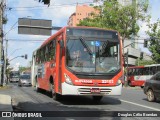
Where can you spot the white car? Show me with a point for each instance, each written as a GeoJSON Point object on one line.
{"type": "Point", "coordinates": [24, 80]}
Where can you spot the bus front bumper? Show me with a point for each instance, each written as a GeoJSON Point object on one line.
{"type": "Point", "coordinates": [68, 89]}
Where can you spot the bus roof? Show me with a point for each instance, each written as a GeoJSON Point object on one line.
{"type": "Point", "coordinates": [52, 36]}
{"type": "Point", "coordinates": [59, 31]}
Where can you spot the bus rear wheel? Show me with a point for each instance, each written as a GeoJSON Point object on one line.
{"type": "Point", "coordinates": [97, 98]}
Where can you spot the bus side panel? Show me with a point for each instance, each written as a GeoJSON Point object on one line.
{"type": "Point", "coordinates": [33, 70]}
{"type": "Point", "coordinates": [46, 76]}
{"type": "Point", "coordinates": [40, 76]}
{"type": "Point", "coordinates": [52, 70]}
{"type": "Point", "coordinates": [50, 73]}
{"type": "Point", "coordinates": [58, 68]}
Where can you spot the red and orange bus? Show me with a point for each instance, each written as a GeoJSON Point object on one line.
{"type": "Point", "coordinates": [79, 61]}
{"type": "Point", "coordinates": [137, 75]}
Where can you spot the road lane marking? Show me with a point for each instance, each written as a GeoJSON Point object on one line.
{"type": "Point", "coordinates": [140, 105]}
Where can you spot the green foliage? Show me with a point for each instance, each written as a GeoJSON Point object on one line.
{"type": "Point", "coordinates": [154, 33]}
{"type": "Point", "coordinates": [121, 18]}
{"type": "Point", "coordinates": [21, 69]}
{"type": "Point", "coordinates": [8, 69]}
{"type": "Point", "coordinates": [144, 62]}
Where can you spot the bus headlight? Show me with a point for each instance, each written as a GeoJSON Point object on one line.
{"type": "Point", "coordinates": [68, 79]}
{"type": "Point", "coordinates": [118, 82]}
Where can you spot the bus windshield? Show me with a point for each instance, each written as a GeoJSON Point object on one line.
{"type": "Point", "coordinates": [14, 74]}
{"type": "Point", "coordinates": [92, 55]}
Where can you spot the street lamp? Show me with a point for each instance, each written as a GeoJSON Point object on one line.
{"type": "Point", "coordinates": [14, 51]}
{"type": "Point", "coordinates": [23, 56]}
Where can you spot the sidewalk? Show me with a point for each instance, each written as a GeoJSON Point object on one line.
{"type": "Point", "coordinates": [5, 105]}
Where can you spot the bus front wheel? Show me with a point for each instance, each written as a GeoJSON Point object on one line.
{"type": "Point", "coordinates": [97, 98]}
{"type": "Point", "coordinates": [51, 92]}
{"type": "Point", "coordinates": [57, 96]}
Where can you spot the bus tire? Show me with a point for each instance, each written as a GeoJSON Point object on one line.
{"type": "Point", "coordinates": [97, 98]}
{"type": "Point", "coordinates": [57, 96]}
{"type": "Point", "coordinates": [51, 92]}
{"type": "Point", "coordinates": [150, 95]}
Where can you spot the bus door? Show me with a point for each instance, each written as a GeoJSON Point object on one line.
{"type": "Point", "coordinates": [60, 45]}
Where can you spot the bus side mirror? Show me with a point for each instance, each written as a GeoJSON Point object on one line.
{"type": "Point", "coordinates": [61, 43]}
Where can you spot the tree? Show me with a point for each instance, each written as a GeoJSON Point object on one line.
{"type": "Point", "coordinates": [22, 69]}
{"type": "Point", "coordinates": [154, 33]}
{"type": "Point", "coordinates": [46, 2]}
{"type": "Point", "coordinates": [144, 62]}
{"type": "Point", "coordinates": [8, 69]}
{"type": "Point", "coordinates": [124, 19]}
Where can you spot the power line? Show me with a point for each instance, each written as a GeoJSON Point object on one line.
{"type": "Point", "coordinates": [11, 28]}
{"type": "Point", "coordinates": [44, 7]}
{"type": "Point", "coordinates": [55, 5]}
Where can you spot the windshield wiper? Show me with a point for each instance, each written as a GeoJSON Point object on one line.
{"type": "Point", "coordinates": [85, 45]}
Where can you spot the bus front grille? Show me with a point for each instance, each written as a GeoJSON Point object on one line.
{"type": "Point", "coordinates": [88, 91]}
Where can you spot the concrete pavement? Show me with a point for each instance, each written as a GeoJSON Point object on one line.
{"type": "Point", "coordinates": [5, 105]}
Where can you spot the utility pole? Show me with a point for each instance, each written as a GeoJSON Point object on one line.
{"type": "Point", "coordinates": [2, 5]}
{"type": "Point", "coordinates": [5, 65]}
{"type": "Point", "coordinates": [1, 40]}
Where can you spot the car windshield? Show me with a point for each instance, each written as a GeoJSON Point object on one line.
{"type": "Point", "coordinates": [92, 55]}
{"type": "Point", "coordinates": [25, 77]}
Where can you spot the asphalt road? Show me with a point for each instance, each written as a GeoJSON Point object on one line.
{"type": "Point", "coordinates": [132, 99]}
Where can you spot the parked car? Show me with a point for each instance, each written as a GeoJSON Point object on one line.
{"type": "Point", "coordinates": [24, 80]}
{"type": "Point", "coordinates": [152, 87]}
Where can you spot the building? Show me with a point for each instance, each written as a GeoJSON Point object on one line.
{"type": "Point", "coordinates": [134, 52]}
{"type": "Point", "coordinates": [82, 12]}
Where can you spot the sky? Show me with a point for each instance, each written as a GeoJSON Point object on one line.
{"type": "Point", "coordinates": [58, 11]}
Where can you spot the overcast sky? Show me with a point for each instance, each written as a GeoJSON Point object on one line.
{"type": "Point", "coordinates": [58, 11]}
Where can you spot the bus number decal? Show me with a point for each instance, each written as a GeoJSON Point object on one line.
{"type": "Point", "coordinates": [104, 81]}
{"type": "Point", "coordinates": [107, 81]}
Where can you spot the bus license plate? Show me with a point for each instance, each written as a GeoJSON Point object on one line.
{"type": "Point", "coordinates": [95, 90]}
